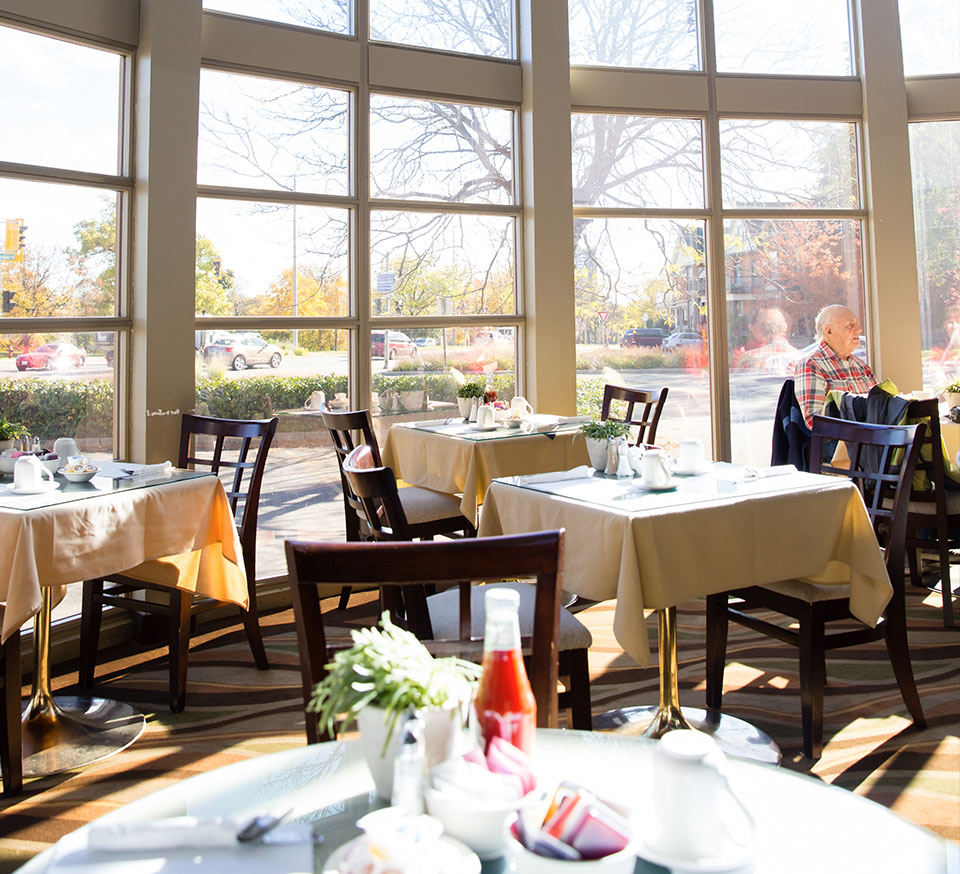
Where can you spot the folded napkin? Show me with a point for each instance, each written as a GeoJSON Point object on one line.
{"type": "Point", "coordinates": [437, 423]}
{"type": "Point", "coordinates": [171, 833]}
{"type": "Point", "coordinates": [738, 472]}
{"type": "Point", "coordinates": [572, 420]}
{"type": "Point", "coordinates": [579, 472]}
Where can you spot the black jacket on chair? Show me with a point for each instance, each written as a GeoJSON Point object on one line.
{"type": "Point", "coordinates": [791, 436]}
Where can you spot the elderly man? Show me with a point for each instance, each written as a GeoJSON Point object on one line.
{"type": "Point", "coordinates": [832, 365]}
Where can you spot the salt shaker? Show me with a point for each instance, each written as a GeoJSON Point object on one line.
{"type": "Point", "coordinates": [408, 767]}
{"type": "Point", "coordinates": [613, 457]}
{"type": "Point", "coordinates": [624, 468]}
{"type": "Point", "coordinates": [474, 405]}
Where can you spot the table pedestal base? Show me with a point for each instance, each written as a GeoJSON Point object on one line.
{"type": "Point", "coordinates": [735, 737]}
{"type": "Point", "coordinates": [70, 732]}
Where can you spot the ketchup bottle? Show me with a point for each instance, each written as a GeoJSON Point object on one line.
{"type": "Point", "coordinates": [505, 704]}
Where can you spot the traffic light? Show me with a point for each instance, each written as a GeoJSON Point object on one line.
{"type": "Point", "coordinates": [216, 268]}
{"type": "Point", "coordinates": [10, 239]}
{"type": "Point", "coordinates": [7, 301]}
{"type": "Point", "coordinates": [21, 244]}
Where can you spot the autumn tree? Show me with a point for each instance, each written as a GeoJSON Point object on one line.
{"type": "Point", "coordinates": [93, 262]}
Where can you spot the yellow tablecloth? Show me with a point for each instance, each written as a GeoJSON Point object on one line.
{"type": "Point", "coordinates": [653, 550]}
{"type": "Point", "coordinates": [451, 464]}
{"type": "Point", "coordinates": [187, 523]}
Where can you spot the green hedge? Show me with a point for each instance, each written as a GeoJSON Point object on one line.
{"type": "Point", "coordinates": [70, 408]}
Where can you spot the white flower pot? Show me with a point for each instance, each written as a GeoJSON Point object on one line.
{"type": "Point", "coordinates": [441, 728]}
{"type": "Point", "coordinates": [464, 405]}
{"type": "Point", "coordinates": [597, 450]}
{"type": "Point", "coordinates": [953, 399]}
{"type": "Point", "coordinates": [412, 400]}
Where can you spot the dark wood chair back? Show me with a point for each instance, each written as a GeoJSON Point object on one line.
{"type": "Point", "coordinates": [400, 565]}
{"type": "Point", "coordinates": [650, 402]}
{"type": "Point", "coordinates": [883, 478]}
{"type": "Point", "coordinates": [374, 488]}
{"type": "Point", "coordinates": [233, 440]}
{"type": "Point", "coordinates": [349, 430]}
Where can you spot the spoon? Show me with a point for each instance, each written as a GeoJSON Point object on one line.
{"type": "Point", "coordinates": [260, 825]}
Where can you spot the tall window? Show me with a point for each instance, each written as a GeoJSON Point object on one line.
{"type": "Point", "coordinates": [930, 34]}
{"type": "Point", "coordinates": [935, 160]}
{"type": "Point", "coordinates": [474, 27]}
{"type": "Point", "coordinates": [334, 16]}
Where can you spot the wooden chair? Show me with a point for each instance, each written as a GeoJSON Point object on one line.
{"type": "Point", "coordinates": [933, 515]}
{"type": "Point", "coordinates": [645, 422]}
{"type": "Point", "coordinates": [401, 565]}
{"type": "Point", "coordinates": [11, 748]}
{"type": "Point", "coordinates": [886, 492]}
{"type": "Point", "coordinates": [233, 441]}
{"type": "Point", "coordinates": [446, 614]}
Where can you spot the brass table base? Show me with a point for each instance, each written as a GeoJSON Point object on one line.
{"type": "Point", "coordinates": [734, 736]}
{"type": "Point", "coordinates": [69, 732]}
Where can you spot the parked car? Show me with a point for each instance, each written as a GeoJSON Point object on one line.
{"type": "Point", "coordinates": [240, 351]}
{"type": "Point", "coordinates": [51, 355]}
{"type": "Point", "coordinates": [683, 338]}
{"type": "Point", "coordinates": [400, 345]}
{"type": "Point", "coordinates": [642, 337]}
{"type": "Point", "coordinates": [425, 341]}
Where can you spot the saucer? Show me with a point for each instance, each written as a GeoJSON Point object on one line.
{"type": "Point", "coordinates": [477, 427]}
{"type": "Point", "coordinates": [732, 858]}
{"type": "Point", "coordinates": [42, 489]}
{"type": "Point", "coordinates": [667, 487]}
{"type": "Point", "coordinates": [692, 471]}
{"type": "Point", "coordinates": [460, 859]}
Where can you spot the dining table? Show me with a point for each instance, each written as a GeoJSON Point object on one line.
{"type": "Point", "coordinates": [128, 517]}
{"type": "Point", "coordinates": [802, 824]}
{"type": "Point", "coordinates": [721, 528]}
{"type": "Point", "coordinates": [461, 458]}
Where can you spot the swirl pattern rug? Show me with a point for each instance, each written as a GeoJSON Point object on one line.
{"type": "Point", "coordinates": [235, 712]}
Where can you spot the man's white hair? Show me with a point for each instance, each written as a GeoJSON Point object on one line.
{"type": "Point", "coordinates": [827, 316]}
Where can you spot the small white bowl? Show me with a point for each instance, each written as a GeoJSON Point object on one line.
{"type": "Point", "coordinates": [482, 827]}
{"type": "Point", "coordinates": [51, 464]}
{"type": "Point", "coordinates": [83, 477]}
{"type": "Point", "coordinates": [7, 464]}
{"type": "Point", "coordinates": [523, 861]}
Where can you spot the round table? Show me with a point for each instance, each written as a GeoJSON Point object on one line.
{"type": "Point", "coordinates": [803, 825]}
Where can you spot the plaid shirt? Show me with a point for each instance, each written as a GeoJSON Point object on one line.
{"type": "Point", "coordinates": [825, 371]}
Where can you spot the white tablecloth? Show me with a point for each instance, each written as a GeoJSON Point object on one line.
{"type": "Point", "coordinates": [655, 549]}
{"type": "Point", "coordinates": [187, 523]}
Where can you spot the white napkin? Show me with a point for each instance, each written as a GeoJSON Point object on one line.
{"type": "Point", "coordinates": [579, 472]}
{"type": "Point", "coordinates": [572, 420]}
{"type": "Point", "coordinates": [739, 472]}
{"type": "Point", "coordinates": [171, 833]}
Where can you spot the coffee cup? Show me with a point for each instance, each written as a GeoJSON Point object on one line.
{"type": "Point", "coordinates": [691, 454]}
{"type": "Point", "coordinates": [486, 418]}
{"type": "Point", "coordinates": [28, 473]}
{"type": "Point", "coordinates": [655, 465]}
{"type": "Point", "coordinates": [698, 815]}
{"type": "Point", "coordinates": [522, 405]}
{"type": "Point", "coordinates": [65, 447]}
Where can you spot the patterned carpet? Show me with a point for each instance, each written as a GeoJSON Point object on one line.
{"type": "Point", "coordinates": [235, 712]}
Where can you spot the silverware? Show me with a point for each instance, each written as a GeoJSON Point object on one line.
{"type": "Point", "coordinates": [260, 825]}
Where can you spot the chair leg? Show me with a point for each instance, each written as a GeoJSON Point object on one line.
{"type": "Point", "coordinates": [180, 603]}
{"type": "Point", "coordinates": [915, 566]}
{"type": "Point", "coordinates": [813, 677]}
{"type": "Point", "coordinates": [575, 664]}
{"type": "Point", "coordinates": [945, 587]}
{"type": "Point", "coordinates": [344, 598]}
{"type": "Point", "coordinates": [11, 748]}
{"type": "Point", "coordinates": [896, 641]}
{"type": "Point", "coordinates": [718, 622]}
{"type": "Point", "coordinates": [90, 616]}
{"type": "Point", "coordinates": [251, 624]}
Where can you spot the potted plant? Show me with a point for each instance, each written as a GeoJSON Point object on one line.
{"type": "Point", "coordinates": [598, 434]}
{"type": "Point", "coordinates": [465, 395]}
{"type": "Point", "coordinates": [386, 673]}
{"type": "Point", "coordinates": [951, 392]}
{"type": "Point", "coordinates": [9, 431]}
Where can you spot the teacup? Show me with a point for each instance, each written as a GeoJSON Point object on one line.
{"type": "Point", "coordinates": [486, 418]}
{"type": "Point", "coordinates": [695, 803]}
{"type": "Point", "coordinates": [522, 404]}
{"type": "Point", "coordinates": [28, 473]}
{"type": "Point", "coordinates": [655, 465]}
{"type": "Point", "coordinates": [691, 454]}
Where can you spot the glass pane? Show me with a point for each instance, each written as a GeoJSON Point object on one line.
{"type": "Point", "coordinates": [930, 33]}
{"type": "Point", "coordinates": [473, 27]}
{"type": "Point", "coordinates": [335, 16]}
{"type": "Point", "coordinates": [935, 160]}
{"type": "Point", "coordinates": [423, 150]}
{"type": "Point", "coordinates": [441, 264]}
{"type": "Point", "coordinates": [641, 302]}
{"type": "Point", "coordinates": [266, 259]}
{"type": "Point", "coordinates": [417, 371]}
{"type": "Point", "coordinates": [57, 250]}
{"type": "Point", "coordinates": [808, 164]}
{"type": "Point", "coordinates": [660, 34]}
{"type": "Point", "coordinates": [779, 275]}
{"type": "Point", "coordinates": [807, 39]}
{"type": "Point", "coordinates": [60, 103]}
{"type": "Point", "coordinates": [266, 133]}
{"type": "Point", "coordinates": [633, 161]}
{"type": "Point", "coordinates": [301, 485]}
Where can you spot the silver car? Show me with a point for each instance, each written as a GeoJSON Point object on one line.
{"type": "Point", "coordinates": [241, 351]}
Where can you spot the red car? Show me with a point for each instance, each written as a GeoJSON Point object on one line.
{"type": "Point", "coordinates": [400, 345]}
{"type": "Point", "coordinates": [51, 355]}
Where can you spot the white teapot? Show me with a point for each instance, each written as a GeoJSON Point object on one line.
{"type": "Point", "coordinates": [522, 405]}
